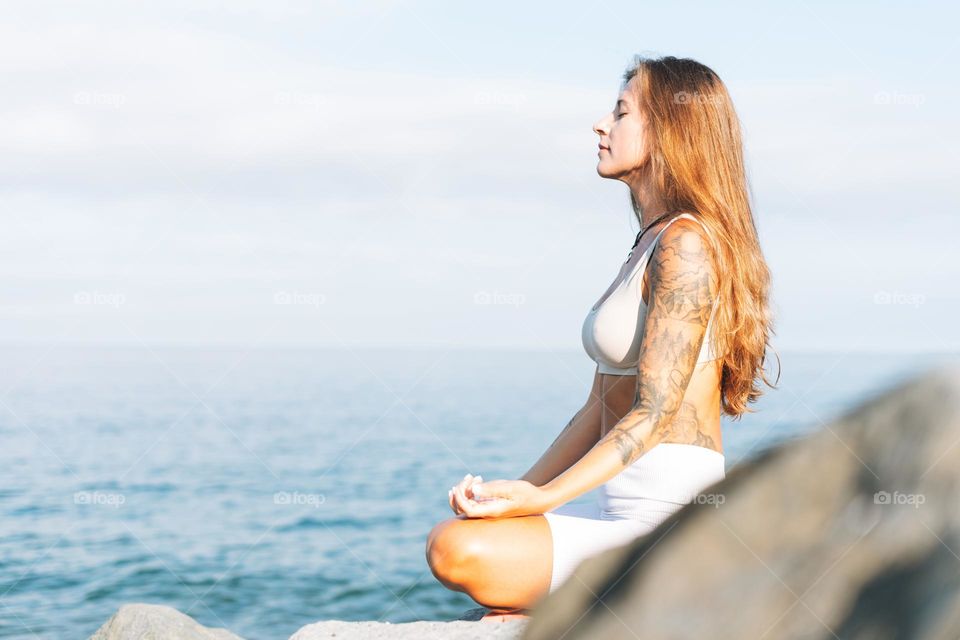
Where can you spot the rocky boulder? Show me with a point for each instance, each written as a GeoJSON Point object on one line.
{"type": "Point", "coordinates": [852, 532]}
{"type": "Point", "coordinates": [156, 622]}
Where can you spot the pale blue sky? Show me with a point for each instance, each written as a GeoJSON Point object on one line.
{"type": "Point", "coordinates": [412, 173]}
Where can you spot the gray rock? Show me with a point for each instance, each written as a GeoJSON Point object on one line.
{"type": "Point", "coordinates": [474, 614]}
{"type": "Point", "coordinates": [459, 630]}
{"type": "Point", "coordinates": [852, 532]}
{"type": "Point", "coordinates": [156, 622]}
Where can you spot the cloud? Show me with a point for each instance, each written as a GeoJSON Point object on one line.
{"type": "Point", "coordinates": [199, 152]}
{"type": "Point", "coordinates": [165, 109]}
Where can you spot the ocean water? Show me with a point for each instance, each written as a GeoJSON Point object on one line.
{"type": "Point", "coordinates": [262, 490]}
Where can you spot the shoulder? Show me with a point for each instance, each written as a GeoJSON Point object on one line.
{"type": "Point", "coordinates": [686, 234]}
{"type": "Point", "coordinates": [683, 261]}
{"type": "Point", "coordinates": [685, 239]}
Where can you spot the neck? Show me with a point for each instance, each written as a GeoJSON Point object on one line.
{"type": "Point", "coordinates": [652, 206]}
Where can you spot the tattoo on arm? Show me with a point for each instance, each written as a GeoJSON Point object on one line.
{"type": "Point", "coordinates": [630, 448]}
{"type": "Point", "coordinates": [682, 290]}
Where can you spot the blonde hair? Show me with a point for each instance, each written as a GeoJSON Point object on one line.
{"type": "Point", "coordinates": [696, 164]}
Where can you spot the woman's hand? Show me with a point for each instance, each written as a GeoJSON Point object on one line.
{"type": "Point", "coordinates": [500, 498]}
{"type": "Point", "coordinates": [464, 484]}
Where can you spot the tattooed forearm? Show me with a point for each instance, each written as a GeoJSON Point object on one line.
{"type": "Point", "coordinates": [629, 447]}
{"type": "Point", "coordinates": [565, 429]}
{"type": "Point", "coordinates": [682, 290]}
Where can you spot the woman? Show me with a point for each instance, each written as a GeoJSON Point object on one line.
{"type": "Point", "coordinates": [679, 337]}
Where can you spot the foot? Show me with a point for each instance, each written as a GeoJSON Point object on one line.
{"type": "Point", "coordinates": [504, 615]}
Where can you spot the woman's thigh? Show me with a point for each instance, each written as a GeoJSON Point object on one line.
{"type": "Point", "coordinates": [499, 562]}
{"type": "Point", "coordinates": [511, 562]}
{"type": "Point", "coordinates": [578, 533]}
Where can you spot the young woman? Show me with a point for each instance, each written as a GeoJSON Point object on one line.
{"type": "Point", "coordinates": [679, 337]}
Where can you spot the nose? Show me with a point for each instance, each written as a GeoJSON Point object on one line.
{"type": "Point", "coordinates": [600, 127]}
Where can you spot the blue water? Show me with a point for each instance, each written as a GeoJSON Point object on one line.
{"type": "Point", "coordinates": [263, 490]}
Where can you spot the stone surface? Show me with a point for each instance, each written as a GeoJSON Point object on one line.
{"type": "Point", "coordinates": [156, 622]}
{"type": "Point", "coordinates": [458, 630]}
{"type": "Point", "coordinates": [159, 622]}
{"type": "Point", "coordinates": [851, 532]}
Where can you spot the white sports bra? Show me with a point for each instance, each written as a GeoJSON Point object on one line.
{"type": "Point", "coordinates": [613, 330]}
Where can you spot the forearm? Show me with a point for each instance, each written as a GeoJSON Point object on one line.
{"type": "Point", "coordinates": [576, 439]}
{"type": "Point", "coordinates": [633, 436]}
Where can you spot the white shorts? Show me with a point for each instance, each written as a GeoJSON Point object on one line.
{"type": "Point", "coordinates": [578, 533]}
{"type": "Point", "coordinates": [631, 504]}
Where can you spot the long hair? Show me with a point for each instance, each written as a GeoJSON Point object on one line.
{"type": "Point", "coordinates": [696, 163]}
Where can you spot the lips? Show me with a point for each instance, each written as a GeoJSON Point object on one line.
{"type": "Point", "coordinates": [603, 147]}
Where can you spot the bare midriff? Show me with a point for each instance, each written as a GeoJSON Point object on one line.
{"type": "Point", "coordinates": [697, 422]}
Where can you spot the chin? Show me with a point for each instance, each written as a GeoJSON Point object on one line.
{"type": "Point", "coordinates": [604, 170]}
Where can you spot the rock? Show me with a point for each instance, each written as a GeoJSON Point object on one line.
{"type": "Point", "coordinates": [156, 622]}
{"type": "Point", "coordinates": [474, 614]}
{"type": "Point", "coordinates": [458, 630]}
{"type": "Point", "coordinates": [851, 532]}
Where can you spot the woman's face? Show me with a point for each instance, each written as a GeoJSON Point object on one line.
{"type": "Point", "coordinates": [621, 148]}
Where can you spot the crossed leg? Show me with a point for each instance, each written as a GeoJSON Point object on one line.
{"type": "Point", "coordinates": [504, 564]}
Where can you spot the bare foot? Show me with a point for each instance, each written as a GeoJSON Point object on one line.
{"type": "Point", "coordinates": [503, 615]}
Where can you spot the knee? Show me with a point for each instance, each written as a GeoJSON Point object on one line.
{"type": "Point", "coordinates": [452, 552]}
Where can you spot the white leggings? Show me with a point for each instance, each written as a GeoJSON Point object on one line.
{"type": "Point", "coordinates": [630, 505]}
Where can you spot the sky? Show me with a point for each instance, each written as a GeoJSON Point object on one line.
{"type": "Point", "coordinates": [400, 173]}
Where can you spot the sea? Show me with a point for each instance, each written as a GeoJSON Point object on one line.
{"type": "Point", "coordinates": [268, 488]}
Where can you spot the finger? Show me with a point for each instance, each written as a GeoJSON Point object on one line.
{"type": "Point", "coordinates": [461, 497]}
{"type": "Point", "coordinates": [450, 500]}
{"type": "Point", "coordinates": [494, 506]}
{"type": "Point", "coordinates": [460, 494]}
{"type": "Point", "coordinates": [480, 494]}
{"type": "Point", "coordinates": [468, 490]}
{"type": "Point", "coordinates": [454, 502]}
{"type": "Point", "coordinates": [493, 490]}
{"type": "Point", "coordinates": [465, 481]}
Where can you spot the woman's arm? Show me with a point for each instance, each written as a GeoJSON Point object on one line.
{"type": "Point", "coordinates": [578, 437]}
{"type": "Point", "coordinates": [683, 286]}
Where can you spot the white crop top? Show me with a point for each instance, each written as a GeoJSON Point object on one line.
{"type": "Point", "coordinates": [613, 330]}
